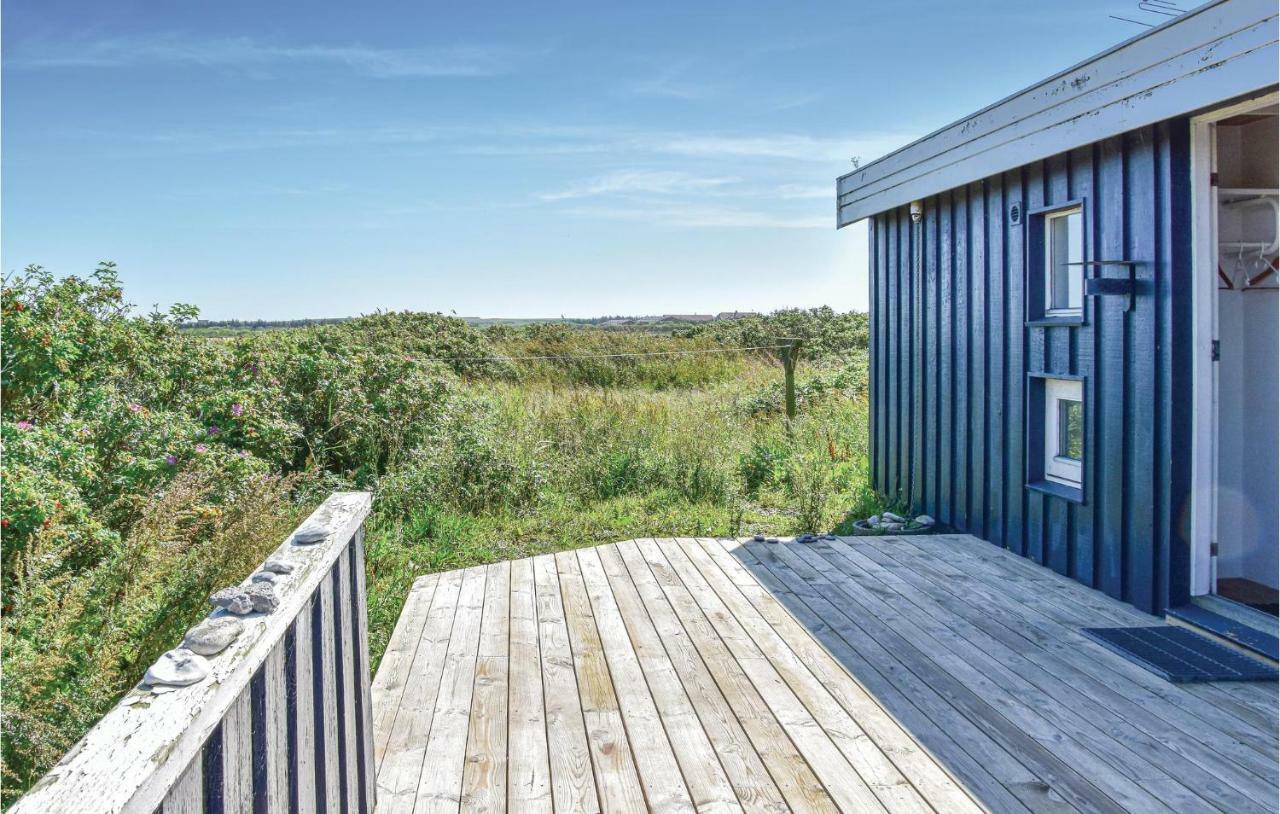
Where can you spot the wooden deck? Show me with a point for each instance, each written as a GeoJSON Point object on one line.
{"type": "Point", "coordinates": [904, 674]}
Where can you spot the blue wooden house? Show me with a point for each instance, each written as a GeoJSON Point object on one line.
{"type": "Point", "coordinates": [1074, 316]}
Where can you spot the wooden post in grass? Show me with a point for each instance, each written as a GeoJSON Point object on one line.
{"type": "Point", "coordinates": [790, 350]}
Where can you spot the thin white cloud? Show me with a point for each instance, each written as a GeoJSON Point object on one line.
{"type": "Point", "coordinates": [788, 146]}
{"type": "Point", "coordinates": [671, 83]}
{"type": "Point", "coordinates": [776, 146]}
{"type": "Point", "coordinates": [792, 192]}
{"type": "Point", "coordinates": [701, 217]}
{"type": "Point", "coordinates": [624, 182]}
{"type": "Point", "coordinates": [246, 53]}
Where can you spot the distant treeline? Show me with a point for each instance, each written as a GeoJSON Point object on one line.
{"type": "Point", "coordinates": [648, 322]}
{"type": "Point", "coordinates": [262, 324]}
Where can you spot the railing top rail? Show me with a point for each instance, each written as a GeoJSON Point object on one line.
{"type": "Point", "coordinates": [137, 752]}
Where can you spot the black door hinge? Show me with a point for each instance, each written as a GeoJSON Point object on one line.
{"type": "Point", "coordinates": [1213, 179]}
{"type": "Point", "coordinates": [1215, 351]}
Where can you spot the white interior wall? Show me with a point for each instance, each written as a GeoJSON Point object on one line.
{"type": "Point", "coordinates": [1249, 386]}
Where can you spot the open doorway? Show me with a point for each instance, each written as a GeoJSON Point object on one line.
{"type": "Point", "coordinates": [1240, 514]}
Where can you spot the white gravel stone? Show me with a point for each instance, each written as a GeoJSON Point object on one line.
{"type": "Point", "coordinates": [178, 668]}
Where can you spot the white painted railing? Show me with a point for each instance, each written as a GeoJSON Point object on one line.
{"type": "Point", "coordinates": [282, 721]}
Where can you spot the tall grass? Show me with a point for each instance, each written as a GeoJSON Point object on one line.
{"type": "Point", "coordinates": [522, 468]}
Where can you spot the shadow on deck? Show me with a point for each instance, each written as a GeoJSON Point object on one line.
{"type": "Point", "coordinates": [863, 674]}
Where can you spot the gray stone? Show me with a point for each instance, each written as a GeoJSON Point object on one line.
{"type": "Point", "coordinates": [807, 538]}
{"type": "Point", "coordinates": [873, 520]}
{"type": "Point", "coordinates": [263, 596]}
{"type": "Point", "coordinates": [275, 566]}
{"type": "Point", "coordinates": [759, 538]}
{"type": "Point", "coordinates": [234, 599]}
{"type": "Point", "coordinates": [264, 576]}
{"type": "Point", "coordinates": [257, 596]}
{"type": "Point", "coordinates": [893, 526]}
{"type": "Point", "coordinates": [924, 520]}
{"type": "Point", "coordinates": [212, 636]}
{"type": "Point", "coordinates": [890, 517]}
{"type": "Point", "coordinates": [178, 668]}
{"type": "Point", "coordinates": [315, 530]}
{"type": "Point", "coordinates": [771, 539]}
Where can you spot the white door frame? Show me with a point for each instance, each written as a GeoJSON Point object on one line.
{"type": "Point", "coordinates": [1204, 388]}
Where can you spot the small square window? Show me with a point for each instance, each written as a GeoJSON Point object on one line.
{"type": "Point", "coordinates": [1063, 259]}
{"type": "Point", "coordinates": [1063, 431]}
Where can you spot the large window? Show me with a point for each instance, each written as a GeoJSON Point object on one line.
{"type": "Point", "coordinates": [1063, 259]}
{"type": "Point", "coordinates": [1063, 431]}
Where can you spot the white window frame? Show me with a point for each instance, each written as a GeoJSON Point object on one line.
{"type": "Point", "coordinates": [1058, 468]}
{"type": "Point", "coordinates": [1049, 218]}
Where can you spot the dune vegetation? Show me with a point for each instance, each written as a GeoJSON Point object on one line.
{"type": "Point", "coordinates": [145, 466]}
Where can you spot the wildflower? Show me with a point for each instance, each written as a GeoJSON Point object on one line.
{"type": "Point", "coordinates": [237, 409]}
{"type": "Point", "coordinates": [24, 425]}
{"type": "Point", "coordinates": [201, 449]}
{"type": "Point", "coordinates": [135, 408]}
{"type": "Point", "coordinates": [171, 459]}
{"type": "Point", "coordinates": [213, 430]}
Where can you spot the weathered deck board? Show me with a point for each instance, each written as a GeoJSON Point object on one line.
{"type": "Point", "coordinates": [899, 674]}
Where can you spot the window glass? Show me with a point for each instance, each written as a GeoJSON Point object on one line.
{"type": "Point", "coordinates": [1063, 434]}
{"type": "Point", "coordinates": [1064, 250]}
{"type": "Point", "coordinates": [1070, 429]}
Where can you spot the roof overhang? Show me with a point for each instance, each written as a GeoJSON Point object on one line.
{"type": "Point", "coordinates": [1219, 51]}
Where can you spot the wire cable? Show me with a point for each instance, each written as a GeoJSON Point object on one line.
{"type": "Point", "coordinates": [571, 356]}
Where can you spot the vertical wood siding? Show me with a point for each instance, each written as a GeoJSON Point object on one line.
{"type": "Point", "coordinates": [252, 763]}
{"type": "Point", "coordinates": [951, 351]}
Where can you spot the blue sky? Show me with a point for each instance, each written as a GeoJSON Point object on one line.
{"type": "Point", "coordinates": [284, 160]}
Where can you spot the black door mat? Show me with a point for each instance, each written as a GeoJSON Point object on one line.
{"type": "Point", "coordinates": [1179, 655]}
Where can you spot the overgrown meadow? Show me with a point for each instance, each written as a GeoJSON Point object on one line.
{"type": "Point", "coordinates": [144, 467]}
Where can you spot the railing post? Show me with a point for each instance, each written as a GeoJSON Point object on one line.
{"type": "Point", "coordinates": [790, 350]}
{"type": "Point", "coordinates": [279, 718]}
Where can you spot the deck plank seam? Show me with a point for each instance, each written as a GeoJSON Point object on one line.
{"type": "Point", "coordinates": [626, 727]}
{"type": "Point", "coordinates": [1021, 678]}
{"type": "Point", "coordinates": [1121, 781]}
{"type": "Point", "coordinates": [1257, 700]}
{"type": "Point", "coordinates": [435, 718]}
{"type": "Point", "coordinates": [715, 678]}
{"type": "Point", "coordinates": [701, 660]}
{"type": "Point", "coordinates": [1181, 696]}
{"type": "Point", "coordinates": [858, 730]}
{"type": "Point", "coordinates": [1014, 756]}
{"type": "Point", "coordinates": [899, 731]}
{"type": "Point", "coordinates": [783, 589]}
{"type": "Point", "coordinates": [684, 691]}
{"type": "Point", "coordinates": [803, 630]}
{"type": "Point", "coordinates": [382, 690]}
{"type": "Point", "coordinates": [715, 629]}
{"type": "Point", "coordinates": [1129, 710]}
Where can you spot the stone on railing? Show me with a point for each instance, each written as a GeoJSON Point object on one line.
{"type": "Point", "coordinates": [263, 707]}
